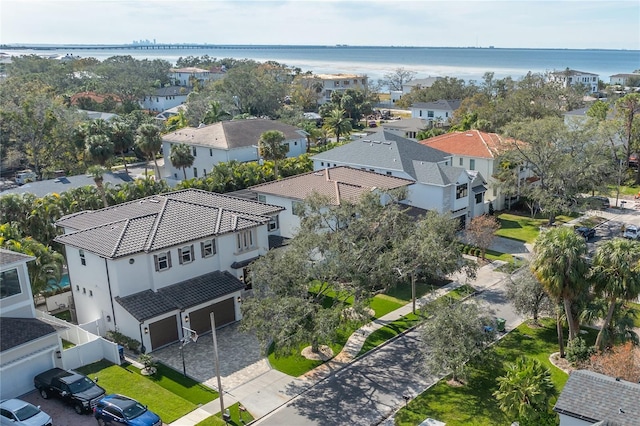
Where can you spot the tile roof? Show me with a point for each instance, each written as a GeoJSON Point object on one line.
{"type": "Point", "coordinates": [7, 257]}
{"type": "Point", "coordinates": [383, 150]}
{"type": "Point", "coordinates": [161, 221]}
{"type": "Point", "coordinates": [443, 104]}
{"type": "Point", "coordinates": [148, 304]}
{"type": "Point", "coordinates": [337, 183]}
{"type": "Point", "coordinates": [471, 143]}
{"type": "Point", "coordinates": [231, 134]}
{"type": "Point", "coordinates": [594, 397]}
{"type": "Point", "coordinates": [18, 331]}
{"type": "Point", "coordinates": [65, 183]}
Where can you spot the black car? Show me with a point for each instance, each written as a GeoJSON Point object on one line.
{"type": "Point", "coordinates": [587, 233]}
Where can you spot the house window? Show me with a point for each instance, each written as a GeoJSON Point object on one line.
{"type": "Point", "coordinates": [195, 172]}
{"type": "Point", "coordinates": [262, 198]}
{"type": "Point", "coordinates": [245, 240]}
{"type": "Point", "coordinates": [9, 283]}
{"type": "Point", "coordinates": [210, 152]}
{"type": "Point", "coordinates": [90, 293]}
{"type": "Point", "coordinates": [77, 288]}
{"type": "Point", "coordinates": [461, 191]}
{"type": "Point", "coordinates": [297, 208]}
{"type": "Point", "coordinates": [430, 114]}
{"type": "Point", "coordinates": [420, 113]}
{"type": "Point", "coordinates": [84, 290]}
{"type": "Point", "coordinates": [83, 261]}
{"type": "Point", "coordinates": [472, 164]}
{"type": "Point", "coordinates": [479, 197]}
{"type": "Point", "coordinates": [461, 161]}
{"type": "Point", "coordinates": [185, 254]}
{"type": "Point", "coordinates": [208, 248]}
{"type": "Point", "coordinates": [162, 261]}
{"type": "Point", "coordinates": [322, 163]}
{"type": "Point", "coordinates": [195, 152]}
{"type": "Point", "coordinates": [389, 173]}
{"type": "Point", "coordinates": [274, 223]}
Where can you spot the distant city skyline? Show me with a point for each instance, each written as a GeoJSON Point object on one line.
{"type": "Point", "coordinates": [568, 24]}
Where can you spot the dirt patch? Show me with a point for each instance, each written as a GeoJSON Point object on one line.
{"type": "Point", "coordinates": [324, 353]}
{"type": "Point", "coordinates": [455, 383]}
{"type": "Point", "coordinates": [561, 363]}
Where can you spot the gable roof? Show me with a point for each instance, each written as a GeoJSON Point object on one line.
{"type": "Point", "coordinates": [443, 104]}
{"type": "Point", "coordinates": [64, 183]}
{"type": "Point", "coordinates": [383, 150]}
{"type": "Point", "coordinates": [470, 143]}
{"type": "Point", "coordinates": [406, 123]}
{"type": "Point", "coordinates": [18, 331]}
{"type": "Point", "coordinates": [569, 72]}
{"type": "Point", "coordinates": [8, 257]}
{"type": "Point", "coordinates": [595, 397]}
{"type": "Point", "coordinates": [148, 304]}
{"type": "Point", "coordinates": [337, 183]}
{"type": "Point", "coordinates": [161, 221]}
{"type": "Point", "coordinates": [421, 82]}
{"type": "Point", "coordinates": [231, 134]}
{"type": "Point", "coordinates": [438, 173]}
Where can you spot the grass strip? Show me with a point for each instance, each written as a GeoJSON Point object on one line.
{"type": "Point", "coordinates": [387, 332]}
{"type": "Point", "coordinates": [238, 418]}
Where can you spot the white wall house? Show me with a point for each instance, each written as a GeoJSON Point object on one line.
{"type": "Point", "coordinates": [28, 346]}
{"type": "Point", "coordinates": [439, 186]}
{"type": "Point", "coordinates": [235, 140]}
{"type": "Point", "coordinates": [418, 83]}
{"type": "Point", "coordinates": [438, 113]}
{"type": "Point", "coordinates": [190, 76]}
{"type": "Point", "coordinates": [407, 127]}
{"type": "Point", "coordinates": [165, 98]}
{"type": "Point", "coordinates": [150, 267]}
{"type": "Point", "coordinates": [338, 184]}
{"type": "Point", "coordinates": [624, 79]}
{"type": "Point", "coordinates": [329, 83]}
{"type": "Point", "coordinates": [478, 151]}
{"type": "Point", "coordinates": [571, 77]}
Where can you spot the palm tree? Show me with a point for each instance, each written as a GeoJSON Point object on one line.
{"type": "Point", "coordinates": [525, 390]}
{"type": "Point", "coordinates": [214, 113]}
{"type": "Point", "coordinates": [122, 138]}
{"type": "Point", "coordinates": [100, 151]}
{"type": "Point", "coordinates": [271, 148]}
{"type": "Point", "coordinates": [560, 265]}
{"type": "Point", "coordinates": [149, 142]}
{"type": "Point", "coordinates": [181, 157]}
{"type": "Point", "coordinates": [616, 273]}
{"type": "Point", "coordinates": [337, 123]}
{"type": "Point", "coordinates": [97, 173]}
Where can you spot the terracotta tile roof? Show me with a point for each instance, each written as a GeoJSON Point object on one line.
{"type": "Point", "coordinates": [337, 183]}
{"type": "Point", "coordinates": [231, 134]}
{"type": "Point", "coordinates": [161, 221]}
{"type": "Point", "coordinates": [472, 143]}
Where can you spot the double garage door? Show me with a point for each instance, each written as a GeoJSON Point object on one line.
{"type": "Point", "coordinates": [165, 331]}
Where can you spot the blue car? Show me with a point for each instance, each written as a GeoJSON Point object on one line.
{"type": "Point", "coordinates": [117, 409]}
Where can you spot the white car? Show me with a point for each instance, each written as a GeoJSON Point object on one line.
{"type": "Point", "coordinates": [631, 232]}
{"type": "Point", "coordinates": [16, 412]}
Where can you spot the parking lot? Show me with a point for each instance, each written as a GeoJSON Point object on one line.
{"type": "Point", "coordinates": [61, 414]}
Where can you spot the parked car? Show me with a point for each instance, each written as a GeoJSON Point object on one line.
{"type": "Point", "coordinates": [631, 232]}
{"type": "Point", "coordinates": [596, 202]}
{"type": "Point", "coordinates": [16, 412]}
{"type": "Point", "coordinates": [117, 409]}
{"type": "Point", "coordinates": [585, 232]}
{"type": "Point", "coordinates": [74, 388]}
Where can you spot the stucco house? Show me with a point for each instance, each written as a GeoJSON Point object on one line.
{"type": "Point", "coordinates": [337, 183]}
{"type": "Point", "coordinates": [150, 267]}
{"type": "Point", "coordinates": [569, 77]}
{"type": "Point", "coordinates": [477, 151]}
{"type": "Point", "coordinates": [590, 398]}
{"type": "Point", "coordinates": [165, 98]}
{"type": "Point", "coordinates": [326, 84]}
{"type": "Point", "coordinates": [624, 79]}
{"type": "Point", "coordinates": [28, 345]}
{"type": "Point", "coordinates": [226, 141]}
{"type": "Point", "coordinates": [439, 185]}
{"type": "Point", "coordinates": [190, 76]}
{"type": "Point", "coordinates": [438, 113]}
{"type": "Point", "coordinates": [407, 127]}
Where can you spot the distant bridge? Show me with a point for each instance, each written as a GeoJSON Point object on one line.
{"type": "Point", "coordinates": [161, 46]}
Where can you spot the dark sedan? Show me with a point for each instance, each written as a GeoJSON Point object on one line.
{"type": "Point", "coordinates": [587, 233]}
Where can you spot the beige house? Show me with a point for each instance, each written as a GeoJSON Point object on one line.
{"type": "Point", "coordinates": [329, 83]}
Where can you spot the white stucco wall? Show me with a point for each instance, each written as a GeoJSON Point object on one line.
{"type": "Point", "coordinates": [89, 286]}
{"type": "Point", "coordinates": [572, 421]}
{"type": "Point", "coordinates": [19, 305]}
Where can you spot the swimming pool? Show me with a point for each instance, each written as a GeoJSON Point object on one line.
{"type": "Point", "coordinates": [63, 283]}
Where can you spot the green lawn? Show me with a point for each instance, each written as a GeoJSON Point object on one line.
{"type": "Point", "coordinates": [473, 404]}
{"type": "Point", "coordinates": [390, 330]}
{"type": "Point", "coordinates": [67, 344]}
{"type": "Point", "coordinates": [382, 304]}
{"type": "Point", "coordinates": [636, 319]}
{"type": "Point", "coordinates": [117, 379]}
{"type": "Point", "coordinates": [524, 228]}
{"type": "Point", "coordinates": [236, 417]}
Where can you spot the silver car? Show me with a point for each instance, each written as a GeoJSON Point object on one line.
{"type": "Point", "coordinates": [16, 412]}
{"type": "Point", "coordinates": [631, 232]}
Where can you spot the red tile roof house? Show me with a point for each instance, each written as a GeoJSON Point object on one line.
{"type": "Point", "coordinates": [337, 183]}
{"type": "Point", "coordinates": [150, 267]}
{"type": "Point", "coordinates": [476, 150]}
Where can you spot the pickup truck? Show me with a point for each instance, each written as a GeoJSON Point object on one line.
{"type": "Point", "coordinates": [74, 388]}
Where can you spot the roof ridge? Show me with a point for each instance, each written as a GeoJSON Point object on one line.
{"type": "Point", "coordinates": [156, 224]}
{"type": "Point", "coordinates": [218, 221]}
{"type": "Point", "coordinates": [486, 145]}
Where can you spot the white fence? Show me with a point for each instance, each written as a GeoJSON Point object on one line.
{"type": "Point", "coordinates": [59, 302]}
{"type": "Point", "coordinates": [89, 347]}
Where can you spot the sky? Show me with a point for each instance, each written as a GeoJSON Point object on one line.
{"type": "Point", "coordinates": [571, 24]}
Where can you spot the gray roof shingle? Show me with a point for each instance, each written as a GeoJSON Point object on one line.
{"type": "Point", "coordinates": [7, 257]}
{"type": "Point", "coordinates": [148, 304]}
{"type": "Point", "coordinates": [443, 104]}
{"type": "Point", "coordinates": [161, 221]}
{"type": "Point", "coordinates": [65, 183]}
{"type": "Point", "coordinates": [18, 331]}
{"type": "Point", "coordinates": [595, 397]}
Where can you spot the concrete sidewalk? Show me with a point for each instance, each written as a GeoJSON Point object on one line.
{"type": "Point", "coordinates": [273, 389]}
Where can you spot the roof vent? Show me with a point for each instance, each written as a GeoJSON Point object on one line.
{"type": "Point", "coordinates": [376, 141]}
{"type": "Point", "coordinates": [152, 200]}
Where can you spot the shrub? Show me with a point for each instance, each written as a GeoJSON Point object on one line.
{"type": "Point", "coordinates": [121, 339]}
{"type": "Point", "coordinates": [578, 351]}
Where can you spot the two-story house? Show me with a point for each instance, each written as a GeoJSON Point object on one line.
{"type": "Point", "coordinates": [165, 98]}
{"type": "Point", "coordinates": [326, 84]}
{"type": "Point", "coordinates": [152, 267]}
{"type": "Point", "coordinates": [439, 185]}
{"type": "Point", "coordinates": [569, 77]}
{"type": "Point", "coordinates": [478, 151]}
{"type": "Point", "coordinates": [192, 76]}
{"type": "Point", "coordinates": [624, 79]}
{"type": "Point", "coordinates": [407, 127]}
{"type": "Point", "coordinates": [338, 184]}
{"type": "Point", "coordinates": [28, 345]}
{"type": "Point", "coordinates": [225, 141]}
{"type": "Point", "coordinates": [438, 113]}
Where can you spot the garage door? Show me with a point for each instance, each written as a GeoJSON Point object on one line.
{"type": "Point", "coordinates": [17, 379]}
{"type": "Point", "coordinates": [163, 332]}
{"type": "Point", "coordinates": [225, 313]}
